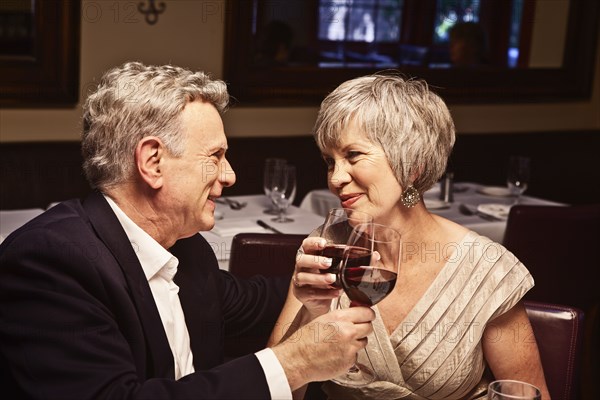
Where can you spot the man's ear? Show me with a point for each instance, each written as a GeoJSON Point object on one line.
{"type": "Point", "coordinates": [148, 158]}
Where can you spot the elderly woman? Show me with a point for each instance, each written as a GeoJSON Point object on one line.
{"type": "Point", "coordinates": [455, 316]}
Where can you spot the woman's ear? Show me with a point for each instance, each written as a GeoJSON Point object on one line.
{"type": "Point", "coordinates": [414, 173]}
{"type": "Point", "coordinates": [148, 158]}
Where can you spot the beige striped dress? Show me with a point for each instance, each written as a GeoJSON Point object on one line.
{"type": "Point", "coordinates": [436, 352]}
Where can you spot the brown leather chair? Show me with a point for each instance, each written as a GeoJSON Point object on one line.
{"type": "Point", "coordinates": [559, 246]}
{"type": "Point", "coordinates": [559, 334]}
{"type": "Point", "coordinates": [264, 254]}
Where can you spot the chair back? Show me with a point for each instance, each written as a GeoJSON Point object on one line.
{"type": "Point", "coordinates": [264, 254]}
{"type": "Point", "coordinates": [558, 246]}
{"type": "Point", "coordinates": [558, 331]}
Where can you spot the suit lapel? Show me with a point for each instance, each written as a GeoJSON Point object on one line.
{"type": "Point", "coordinates": [199, 288]}
{"type": "Point", "coordinates": [109, 230]}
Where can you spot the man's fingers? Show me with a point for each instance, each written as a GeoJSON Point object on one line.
{"type": "Point", "coordinates": [356, 315]}
{"type": "Point", "coordinates": [315, 294]}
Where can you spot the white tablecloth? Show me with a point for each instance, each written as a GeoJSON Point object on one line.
{"type": "Point", "coordinates": [311, 214]}
{"type": "Point", "coordinates": [320, 201]}
{"type": "Point", "coordinates": [244, 220]}
{"type": "Point", "coordinates": [11, 220]}
{"type": "Point", "coordinates": [232, 222]}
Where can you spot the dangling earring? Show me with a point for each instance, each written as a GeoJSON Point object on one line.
{"type": "Point", "coordinates": [410, 197]}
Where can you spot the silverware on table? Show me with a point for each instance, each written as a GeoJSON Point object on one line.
{"type": "Point", "coordinates": [470, 210]}
{"type": "Point", "coordinates": [267, 226]}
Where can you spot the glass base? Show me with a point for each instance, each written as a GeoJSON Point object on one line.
{"type": "Point", "coordinates": [271, 211]}
{"type": "Point", "coordinates": [357, 375]}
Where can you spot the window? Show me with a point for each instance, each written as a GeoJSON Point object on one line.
{"type": "Point", "coordinates": [284, 52]}
{"type": "Point", "coordinates": [370, 33]}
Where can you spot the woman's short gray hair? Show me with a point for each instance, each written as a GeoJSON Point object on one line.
{"type": "Point", "coordinates": [134, 101]}
{"type": "Point", "coordinates": [410, 122]}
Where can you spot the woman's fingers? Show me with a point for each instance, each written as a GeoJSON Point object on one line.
{"type": "Point", "coordinates": [312, 245]}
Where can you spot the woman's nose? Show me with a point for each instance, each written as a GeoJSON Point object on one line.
{"type": "Point", "coordinates": [339, 176]}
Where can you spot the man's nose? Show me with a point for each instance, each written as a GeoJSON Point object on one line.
{"type": "Point", "coordinates": [226, 174]}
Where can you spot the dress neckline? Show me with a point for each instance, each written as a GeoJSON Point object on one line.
{"type": "Point", "coordinates": [428, 298]}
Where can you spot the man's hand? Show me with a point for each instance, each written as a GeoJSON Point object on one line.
{"type": "Point", "coordinates": [312, 288]}
{"type": "Point", "coordinates": [326, 347]}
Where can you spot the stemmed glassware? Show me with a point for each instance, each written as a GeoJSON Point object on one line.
{"type": "Point", "coordinates": [369, 269]}
{"type": "Point", "coordinates": [517, 177]}
{"type": "Point", "coordinates": [283, 190]}
{"type": "Point", "coordinates": [336, 230]}
{"type": "Point", "coordinates": [270, 167]}
{"type": "Point", "coordinates": [513, 390]}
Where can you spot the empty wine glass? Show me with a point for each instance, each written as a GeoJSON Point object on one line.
{"type": "Point", "coordinates": [369, 270]}
{"type": "Point", "coordinates": [283, 190]}
{"type": "Point", "coordinates": [513, 390]}
{"type": "Point", "coordinates": [336, 230]}
{"type": "Point", "coordinates": [271, 165]}
{"type": "Point", "coordinates": [517, 177]}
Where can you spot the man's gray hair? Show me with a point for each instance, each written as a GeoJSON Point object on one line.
{"type": "Point", "coordinates": [134, 101]}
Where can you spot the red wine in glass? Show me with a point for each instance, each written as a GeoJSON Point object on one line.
{"type": "Point", "coordinates": [335, 252]}
{"type": "Point", "coordinates": [369, 271]}
{"type": "Point", "coordinates": [367, 286]}
{"type": "Point", "coordinates": [337, 228]}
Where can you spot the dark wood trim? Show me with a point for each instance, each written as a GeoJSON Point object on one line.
{"type": "Point", "coordinates": [49, 77]}
{"type": "Point", "coordinates": [564, 165]}
{"type": "Point", "coordinates": [307, 85]}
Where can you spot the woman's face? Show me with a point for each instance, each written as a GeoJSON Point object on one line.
{"type": "Point", "coordinates": [358, 172]}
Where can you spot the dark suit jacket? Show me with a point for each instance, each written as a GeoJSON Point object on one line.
{"type": "Point", "coordinates": [78, 320]}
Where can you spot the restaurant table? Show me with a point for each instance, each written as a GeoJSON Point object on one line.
{"type": "Point", "coordinates": [230, 222]}
{"type": "Point", "coordinates": [312, 211]}
{"type": "Point", "coordinates": [470, 194]}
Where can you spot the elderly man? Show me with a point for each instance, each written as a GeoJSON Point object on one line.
{"type": "Point", "coordinates": [118, 296]}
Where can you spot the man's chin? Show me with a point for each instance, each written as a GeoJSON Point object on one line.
{"type": "Point", "coordinates": [207, 226]}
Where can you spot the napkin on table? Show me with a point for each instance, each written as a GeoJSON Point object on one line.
{"type": "Point", "coordinates": [499, 211]}
{"type": "Point", "coordinates": [233, 226]}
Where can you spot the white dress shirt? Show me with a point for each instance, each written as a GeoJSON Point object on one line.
{"type": "Point", "coordinates": [160, 267]}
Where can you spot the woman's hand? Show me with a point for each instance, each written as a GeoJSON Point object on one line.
{"type": "Point", "coordinates": [310, 286]}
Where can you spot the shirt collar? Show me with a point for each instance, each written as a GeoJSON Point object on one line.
{"type": "Point", "coordinates": [152, 256]}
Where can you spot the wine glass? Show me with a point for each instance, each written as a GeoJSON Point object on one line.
{"type": "Point", "coordinates": [271, 165]}
{"type": "Point", "coordinates": [369, 270]}
{"type": "Point", "coordinates": [517, 177]}
{"type": "Point", "coordinates": [336, 230]}
{"type": "Point", "coordinates": [513, 390]}
{"type": "Point", "coordinates": [283, 190]}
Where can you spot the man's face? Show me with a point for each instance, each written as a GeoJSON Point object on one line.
{"type": "Point", "coordinates": [196, 178]}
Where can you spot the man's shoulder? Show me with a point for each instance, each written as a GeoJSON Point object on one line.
{"type": "Point", "coordinates": [62, 213]}
{"type": "Point", "coordinates": [194, 246]}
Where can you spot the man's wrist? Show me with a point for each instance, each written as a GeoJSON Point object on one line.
{"type": "Point", "coordinates": [293, 366]}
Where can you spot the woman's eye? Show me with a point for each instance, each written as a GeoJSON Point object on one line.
{"type": "Point", "coordinates": [330, 162]}
{"type": "Point", "coordinates": [353, 154]}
